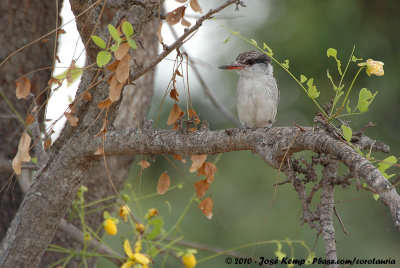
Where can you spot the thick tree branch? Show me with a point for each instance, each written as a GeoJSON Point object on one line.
{"type": "Point", "coordinates": [326, 212]}
{"type": "Point", "coordinates": [270, 145]}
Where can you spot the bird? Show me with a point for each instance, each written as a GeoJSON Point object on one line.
{"type": "Point", "coordinates": [257, 91]}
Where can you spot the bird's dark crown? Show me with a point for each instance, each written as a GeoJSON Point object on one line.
{"type": "Point", "coordinates": [252, 57]}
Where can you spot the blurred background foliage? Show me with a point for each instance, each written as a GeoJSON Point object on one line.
{"type": "Point", "coordinates": [244, 209]}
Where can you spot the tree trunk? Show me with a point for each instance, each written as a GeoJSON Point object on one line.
{"type": "Point", "coordinates": [20, 22]}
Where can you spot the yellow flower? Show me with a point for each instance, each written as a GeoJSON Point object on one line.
{"type": "Point", "coordinates": [151, 213]}
{"type": "Point", "coordinates": [373, 67]}
{"type": "Point", "coordinates": [110, 227]}
{"type": "Point", "coordinates": [124, 212]}
{"type": "Point", "coordinates": [189, 260]}
{"type": "Point", "coordinates": [136, 257]}
{"type": "Point", "coordinates": [140, 228]}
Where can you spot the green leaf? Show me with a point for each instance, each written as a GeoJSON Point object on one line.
{"type": "Point", "coordinates": [286, 64]}
{"type": "Point", "coordinates": [364, 99]}
{"type": "Point", "coordinates": [303, 79]}
{"type": "Point", "coordinates": [385, 164]}
{"type": "Point", "coordinates": [75, 74]}
{"type": "Point", "coordinates": [34, 160]}
{"type": "Point", "coordinates": [312, 91]}
{"type": "Point", "coordinates": [131, 43]}
{"type": "Point", "coordinates": [227, 40]}
{"type": "Point", "coordinates": [127, 29]}
{"type": "Point", "coordinates": [103, 58]}
{"type": "Point", "coordinates": [347, 133]}
{"type": "Point", "coordinates": [376, 196]}
{"type": "Point", "coordinates": [114, 33]}
{"type": "Point", "coordinates": [253, 42]}
{"type": "Point", "coordinates": [157, 224]}
{"type": "Point", "coordinates": [337, 97]}
{"type": "Point", "coordinates": [354, 59]}
{"type": "Point", "coordinates": [114, 47]}
{"type": "Point", "coordinates": [310, 82]}
{"type": "Point", "coordinates": [266, 47]}
{"type": "Point", "coordinates": [99, 42]}
{"type": "Point", "coordinates": [106, 215]}
{"type": "Point", "coordinates": [335, 88]}
{"type": "Point", "coordinates": [331, 52]}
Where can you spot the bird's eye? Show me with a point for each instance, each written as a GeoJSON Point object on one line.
{"type": "Point", "coordinates": [250, 62]}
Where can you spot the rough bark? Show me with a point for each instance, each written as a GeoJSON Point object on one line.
{"type": "Point", "coordinates": [20, 22]}
{"type": "Point", "coordinates": [326, 212]}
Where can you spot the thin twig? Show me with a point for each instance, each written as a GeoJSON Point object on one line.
{"type": "Point", "coordinates": [340, 220]}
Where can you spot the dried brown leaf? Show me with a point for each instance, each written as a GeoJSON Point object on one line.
{"type": "Point", "coordinates": [54, 80]}
{"type": "Point", "coordinates": [179, 157]}
{"type": "Point", "coordinates": [113, 66]}
{"type": "Point", "coordinates": [178, 73]}
{"type": "Point", "coordinates": [23, 88]}
{"type": "Point", "coordinates": [185, 22]}
{"type": "Point", "coordinates": [175, 15]}
{"type": "Point", "coordinates": [45, 40]}
{"type": "Point", "coordinates": [61, 31]}
{"type": "Point", "coordinates": [201, 187]}
{"type": "Point", "coordinates": [122, 50]}
{"type": "Point", "coordinates": [58, 59]}
{"type": "Point", "coordinates": [115, 89]}
{"type": "Point", "coordinates": [206, 207]}
{"type": "Point", "coordinates": [160, 38]}
{"type": "Point", "coordinates": [144, 164]}
{"type": "Point", "coordinates": [99, 151]}
{"type": "Point", "coordinates": [104, 104]}
{"type": "Point", "coordinates": [122, 71]}
{"type": "Point", "coordinates": [47, 143]}
{"type": "Point", "coordinates": [174, 94]}
{"type": "Point", "coordinates": [195, 6]}
{"type": "Point", "coordinates": [163, 183]}
{"type": "Point", "coordinates": [87, 96]}
{"type": "Point", "coordinates": [72, 120]}
{"type": "Point", "coordinates": [193, 114]}
{"type": "Point", "coordinates": [29, 119]}
{"type": "Point", "coordinates": [22, 153]}
{"type": "Point", "coordinates": [209, 170]}
{"type": "Point", "coordinates": [197, 162]}
{"type": "Point", "coordinates": [175, 114]}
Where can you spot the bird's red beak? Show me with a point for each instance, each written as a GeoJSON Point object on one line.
{"type": "Point", "coordinates": [233, 66]}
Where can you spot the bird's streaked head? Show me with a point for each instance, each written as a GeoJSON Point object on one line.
{"type": "Point", "coordinates": [251, 63]}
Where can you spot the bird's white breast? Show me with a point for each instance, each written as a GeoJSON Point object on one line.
{"type": "Point", "coordinates": [257, 99]}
